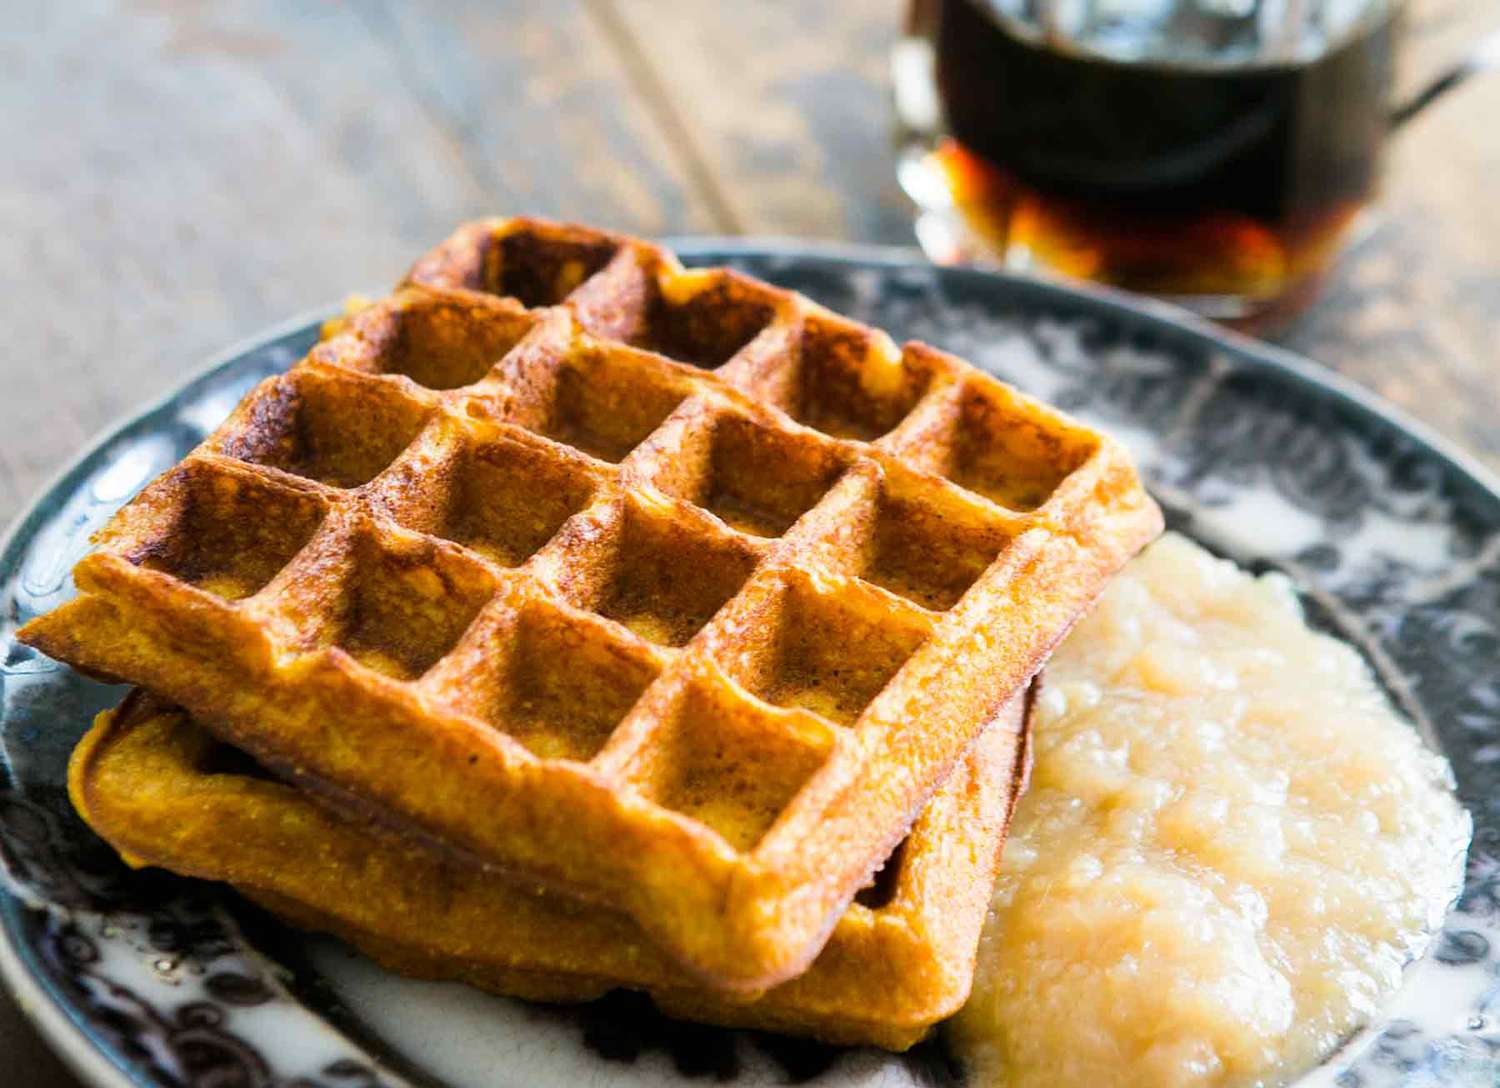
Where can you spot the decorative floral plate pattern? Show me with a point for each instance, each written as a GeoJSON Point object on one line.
{"type": "Point", "coordinates": [143, 979]}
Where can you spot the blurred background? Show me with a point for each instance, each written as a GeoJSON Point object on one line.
{"type": "Point", "coordinates": [180, 175]}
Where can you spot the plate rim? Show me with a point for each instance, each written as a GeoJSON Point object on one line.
{"type": "Point", "coordinates": [60, 1023]}
{"type": "Point", "coordinates": [56, 1020]}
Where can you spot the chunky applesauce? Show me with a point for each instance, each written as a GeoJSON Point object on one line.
{"type": "Point", "coordinates": [1231, 846]}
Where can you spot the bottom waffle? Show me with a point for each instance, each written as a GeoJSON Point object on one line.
{"type": "Point", "coordinates": [164, 792]}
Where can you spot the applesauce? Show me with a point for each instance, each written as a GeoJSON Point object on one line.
{"type": "Point", "coordinates": [1230, 848]}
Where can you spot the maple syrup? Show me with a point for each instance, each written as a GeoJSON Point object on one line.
{"type": "Point", "coordinates": [1224, 174]}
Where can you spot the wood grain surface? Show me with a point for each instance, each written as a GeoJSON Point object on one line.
{"type": "Point", "coordinates": [180, 175]}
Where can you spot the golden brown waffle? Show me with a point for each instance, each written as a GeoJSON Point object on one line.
{"type": "Point", "coordinates": [164, 792]}
{"type": "Point", "coordinates": [681, 595]}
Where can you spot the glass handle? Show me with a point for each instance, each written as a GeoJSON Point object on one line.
{"type": "Point", "coordinates": [1483, 57]}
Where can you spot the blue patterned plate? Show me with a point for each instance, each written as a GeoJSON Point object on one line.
{"type": "Point", "coordinates": [144, 979]}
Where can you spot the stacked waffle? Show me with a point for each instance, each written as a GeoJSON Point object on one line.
{"type": "Point", "coordinates": [571, 620]}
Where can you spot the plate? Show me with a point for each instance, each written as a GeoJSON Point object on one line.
{"type": "Point", "coordinates": [143, 979]}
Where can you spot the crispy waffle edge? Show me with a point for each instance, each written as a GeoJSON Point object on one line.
{"type": "Point", "coordinates": [164, 793]}
{"type": "Point", "coordinates": [282, 631]}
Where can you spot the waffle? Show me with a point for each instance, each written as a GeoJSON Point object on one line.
{"type": "Point", "coordinates": [164, 792]}
{"type": "Point", "coordinates": [667, 588]}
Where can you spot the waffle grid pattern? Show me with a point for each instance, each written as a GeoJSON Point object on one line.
{"type": "Point", "coordinates": [672, 568]}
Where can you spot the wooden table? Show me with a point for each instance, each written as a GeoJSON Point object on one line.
{"type": "Point", "coordinates": [180, 176]}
